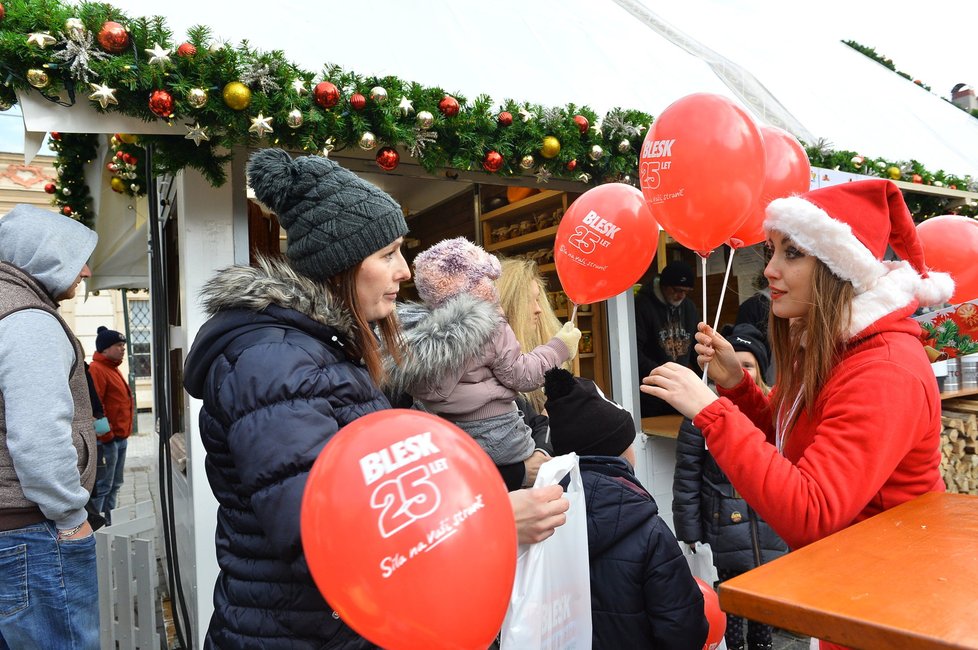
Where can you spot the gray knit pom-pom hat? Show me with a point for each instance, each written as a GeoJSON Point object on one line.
{"type": "Point", "coordinates": [333, 218]}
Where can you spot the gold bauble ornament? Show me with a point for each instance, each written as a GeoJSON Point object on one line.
{"type": "Point", "coordinates": [197, 97]}
{"type": "Point", "coordinates": [894, 173]}
{"type": "Point", "coordinates": [624, 146]}
{"type": "Point", "coordinates": [526, 162]}
{"type": "Point", "coordinates": [368, 141]}
{"type": "Point", "coordinates": [75, 27]}
{"type": "Point", "coordinates": [378, 94]}
{"type": "Point", "coordinates": [237, 96]}
{"type": "Point", "coordinates": [294, 119]}
{"type": "Point", "coordinates": [128, 138]}
{"type": "Point", "coordinates": [38, 78]}
{"type": "Point", "coordinates": [550, 147]}
{"type": "Point", "coordinates": [117, 184]}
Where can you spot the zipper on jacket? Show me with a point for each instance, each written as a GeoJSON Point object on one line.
{"type": "Point", "coordinates": [754, 536]}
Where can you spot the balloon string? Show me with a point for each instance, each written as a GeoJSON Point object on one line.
{"type": "Point", "coordinates": [723, 289]}
{"type": "Point", "coordinates": [573, 316]}
{"type": "Point", "coordinates": [703, 263]}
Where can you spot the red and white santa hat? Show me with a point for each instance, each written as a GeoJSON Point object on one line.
{"type": "Point", "coordinates": [848, 227]}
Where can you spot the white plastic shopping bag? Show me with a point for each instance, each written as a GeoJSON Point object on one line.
{"type": "Point", "coordinates": [550, 607]}
{"type": "Point", "coordinates": [701, 563]}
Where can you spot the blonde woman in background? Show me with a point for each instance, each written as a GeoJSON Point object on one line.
{"type": "Point", "coordinates": [523, 298]}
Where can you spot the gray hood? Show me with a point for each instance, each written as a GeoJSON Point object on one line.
{"type": "Point", "coordinates": [49, 247]}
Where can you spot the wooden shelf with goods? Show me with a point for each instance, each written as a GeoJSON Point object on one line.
{"type": "Point", "coordinates": [527, 228]}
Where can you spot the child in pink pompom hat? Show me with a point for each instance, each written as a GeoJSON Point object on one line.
{"type": "Point", "coordinates": [463, 361]}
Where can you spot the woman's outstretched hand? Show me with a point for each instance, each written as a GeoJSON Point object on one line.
{"type": "Point", "coordinates": [711, 348]}
{"type": "Point", "coordinates": [679, 386]}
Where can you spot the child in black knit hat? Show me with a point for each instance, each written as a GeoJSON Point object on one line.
{"type": "Point", "coordinates": [642, 592]}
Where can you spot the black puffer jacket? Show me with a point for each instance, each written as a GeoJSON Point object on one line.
{"type": "Point", "coordinates": [272, 369]}
{"type": "Point", "coordinates": [642, 593]}
{"type": "Point", "coordinates": [707, 508]}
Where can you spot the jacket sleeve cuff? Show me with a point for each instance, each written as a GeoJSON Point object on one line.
{"type": "Point", "coordinates": [714, 410]}
{"type": "Point", "coordinates": [75, 518]}
{"type": "Point", "coordinates": [742, 388]}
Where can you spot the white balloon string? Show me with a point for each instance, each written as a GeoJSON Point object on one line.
{"type": "Point", "coordinates": [573, 316]}
{"type": "Point", "coordinates": [703, 263]}
{"type": "Point", "coordinates": [723, 289]}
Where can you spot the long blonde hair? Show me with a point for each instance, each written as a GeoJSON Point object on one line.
{"type": "Point", "coordinates": [518, 275]}
{"type": "Point", "coordinates": [806, 349]}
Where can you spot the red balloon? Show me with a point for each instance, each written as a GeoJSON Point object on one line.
{"type": "Point", "coordinates": [714, 615]}
{"type": "Point", "coordinates": [787, 171]}
{"type": "Point", "coordinates": [950, 244]}
{"type": "Point", "coordinates": [702, 169]}
{"type": "Point", "coordinates": [604, 243]}
{"type": "Point", "coordinates": [409, 534]}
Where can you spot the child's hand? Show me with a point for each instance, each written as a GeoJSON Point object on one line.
{"type": "Point", "coordinates": [570, 336]}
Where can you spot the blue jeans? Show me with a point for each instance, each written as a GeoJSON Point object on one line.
{"type": "Point", "coordinates": [109, 476]}
{"type": "Point", "coordinates": [49, 590]}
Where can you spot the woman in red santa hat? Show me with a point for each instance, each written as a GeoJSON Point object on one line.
{"type": "Point", "coordinates": [853, 426]}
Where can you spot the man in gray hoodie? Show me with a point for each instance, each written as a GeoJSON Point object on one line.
{"type": "Point", "coordinates": [49, 588]}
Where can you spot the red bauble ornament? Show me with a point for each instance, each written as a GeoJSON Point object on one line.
{"type": "Point", "coordinates": [571, 165]}
{"type": "Point", "coordinates": [55, 135]}
{"type": "Point", "coordinates": [186, 50]}
{"type": "Point", "coordinates": [505, 118]}
{"type": "Point", "coordinates": [582, 123]}
{"type": "Point", "coordinates": [66, 211]}
{"type": "Point", "coordinates": [448, 106]}
{"type": "Point", "coordinates": [161, 103]}
{"type": "Point", "coordinates": [3, 12]}
{"type": "Point", "coordinates": [129, 159]}
{"type": "Point", "coordinates": [120, 154]}
{"type": "Point", "coordinates": [917, 178]}
{"type": "Point", "coordinates": [357, 102]}
{"type": "Point", "coordinates": [113, 37]}
{"type": "Point", "coordinates": [326, 94]}
{"type": "Point", "coordinates": [492, 162]}
{"type": "Point", "coordinates": [50, 188]}
{"type": "Point", "coordinates": [388, 159]}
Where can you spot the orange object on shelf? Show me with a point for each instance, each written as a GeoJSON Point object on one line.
{"type": "Point", "coordinates": [514, 193]}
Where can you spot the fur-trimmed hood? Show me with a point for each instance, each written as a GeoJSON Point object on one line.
{"type": "Point", "coordinates": [271, 293]}
{"type": "Point", "coordinates": [440, 342]}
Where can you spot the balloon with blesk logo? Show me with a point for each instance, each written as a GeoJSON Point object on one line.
{"type": "Point", "coordinates": [409, 534]}
{"type": "Point", "coordinates": [950, 244]}
{"type": "Point", "coordinates": [604, 243]}
{"type": "Point", "coordinates": [701, 169]}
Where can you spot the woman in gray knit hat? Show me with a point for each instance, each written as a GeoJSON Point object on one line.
{"type": "Point", "coordinates": [291, 354]}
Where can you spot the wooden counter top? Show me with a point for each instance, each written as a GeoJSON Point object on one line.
{"type": "Point", "coordinates": [906, 578]}
{"type": "Point", "coordinates": [666, 426]}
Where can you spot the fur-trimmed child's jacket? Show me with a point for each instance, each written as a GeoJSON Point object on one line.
{"type": "Point", "coordinates": [463, 362]}
{"type": "Point", "coordinates": [273, 368]}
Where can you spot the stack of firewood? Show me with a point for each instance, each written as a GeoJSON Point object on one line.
{"type": "Point", "coordinates": [959, 446]}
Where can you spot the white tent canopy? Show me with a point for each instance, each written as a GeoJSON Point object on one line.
{"type": "Point", "coordinates": [605, 54]}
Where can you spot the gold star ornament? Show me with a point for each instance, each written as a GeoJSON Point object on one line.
{"type": "Point", "coordinates": [197, 133]}
{"type": "Point", "coordinates": [260, 125]}
{"type": "Point", "coordinates": [103, 95]}
{"type": "Point", "coordinates": [41, 39]}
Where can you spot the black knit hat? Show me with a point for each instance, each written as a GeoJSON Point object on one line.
{"type": "Point", "coordinates": [334, 219]}
{"type": "Point", "coordinates": [582, 419]}
{"type": "Point", "coordinates": [677, 274]}
{"type": "Point", "coordinates": [747, 338]}
{"type": "Point", "coordinates": [107, 338]}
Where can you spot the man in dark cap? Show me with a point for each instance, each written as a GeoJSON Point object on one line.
{"type": "Point", "coordinates": [642, 592]}
{"type": "Point", "coordinates": [665, 323]}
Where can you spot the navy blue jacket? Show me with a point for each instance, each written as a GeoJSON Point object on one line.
{"type": "Point", "coordinates": [642, 593]}
{"type": "Point", "coordinates": [273, 370]}
{"type": "Point", "coordinates": [707, 508]}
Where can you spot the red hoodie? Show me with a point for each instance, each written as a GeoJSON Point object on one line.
{"type": "Point", "coordinates": [114, 392]}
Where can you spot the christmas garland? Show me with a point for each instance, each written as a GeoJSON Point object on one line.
{"type": "Point", "coordinates": [883, 61]}
{"type": "Point", "coordinates": [220, 96]}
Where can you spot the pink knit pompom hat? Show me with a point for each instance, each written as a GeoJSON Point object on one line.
{"type": "Point", "coordinates": [453, 267]}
